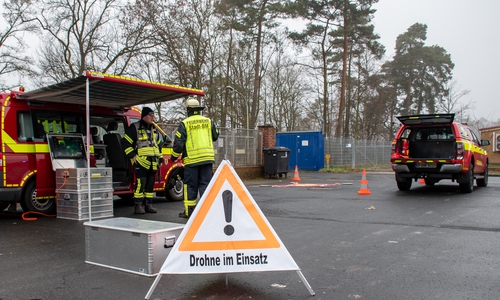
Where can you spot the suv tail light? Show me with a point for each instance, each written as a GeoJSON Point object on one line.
{"type": "Point", "coordinates": [405, 147]}
{"type": "Point", "coordinates": [459, 150]}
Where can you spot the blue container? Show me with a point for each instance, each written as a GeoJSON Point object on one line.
{"type": "Point", "coordinates": [307, 149]}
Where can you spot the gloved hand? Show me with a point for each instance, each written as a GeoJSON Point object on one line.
{"type": "Point", "coordinates": [173, 158]}
{"type": "Point", "coordinates": [160, 160]}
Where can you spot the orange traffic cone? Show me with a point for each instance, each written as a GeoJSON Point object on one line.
{"type": "Point", "coordinates": [296, 174]}
{"type": "Point", "coordinates": [364, 185]}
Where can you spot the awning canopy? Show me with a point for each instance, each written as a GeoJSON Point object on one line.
{"type": "Point", "coordinates": [109, 91]}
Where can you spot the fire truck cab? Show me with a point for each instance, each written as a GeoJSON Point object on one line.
{"type": "Point", "coordinates": [99, 107]}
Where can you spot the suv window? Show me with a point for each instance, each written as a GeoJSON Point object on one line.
{"type": "Point", "coordinates": [434, 133]}
{"type": "Point", "coordinates": [474, 137]}
{"type": "Point", "coordinates": [464, 133]}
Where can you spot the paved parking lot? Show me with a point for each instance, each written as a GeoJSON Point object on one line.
{"type": "Point", "coordinates": [429, 243]}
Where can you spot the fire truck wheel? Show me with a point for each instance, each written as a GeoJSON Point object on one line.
{"type": "Point", "coordinates": [31, 203]}
{"type": "Point", "coordinates": [176, 190]}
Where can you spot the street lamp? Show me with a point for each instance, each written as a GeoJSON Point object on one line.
{"type": "Point", "coordinates": [244, 99]}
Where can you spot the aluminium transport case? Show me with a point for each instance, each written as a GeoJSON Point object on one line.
{"type": "Point", "coordinates": [78, 179]}
{"type": "Point", "coordinates": [72, 193]}
{"type": "Point", "coordinates": [131, 245]}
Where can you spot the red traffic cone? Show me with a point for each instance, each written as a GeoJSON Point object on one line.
{"type": "Point", "coordinates": [364, 190]}
{"type": "Point", "coordinates": [296, 174]}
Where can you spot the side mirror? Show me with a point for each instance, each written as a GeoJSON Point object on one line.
{"type": "Point", "coordinates": [485, 142]}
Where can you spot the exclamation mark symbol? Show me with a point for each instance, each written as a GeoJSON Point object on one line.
{"type": "Point", "coordinates": [227, 201]}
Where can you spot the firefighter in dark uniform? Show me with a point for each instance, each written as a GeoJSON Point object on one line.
{"type": "Point", "coordinates": [142, 145]}
{"type": "Point", "coordinates": [194, 141]}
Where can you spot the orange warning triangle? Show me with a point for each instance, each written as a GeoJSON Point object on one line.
{"type": "Point", "coordinates": [226, 182]}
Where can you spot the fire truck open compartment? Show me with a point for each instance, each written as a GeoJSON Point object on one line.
{"type": "Point", "coordinates": [106, 96]}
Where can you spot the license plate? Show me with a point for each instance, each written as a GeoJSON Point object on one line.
{"type": "Point", "coordinates": [426, 165]}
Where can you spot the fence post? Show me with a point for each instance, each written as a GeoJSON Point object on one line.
{"type": "Point", "coordinates": [353, 159]}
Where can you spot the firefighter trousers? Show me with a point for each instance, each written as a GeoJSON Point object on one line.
{"type": "Point", "coordinates": [144, 184]}
{"type": "Point", "coordinates": [196, 180]}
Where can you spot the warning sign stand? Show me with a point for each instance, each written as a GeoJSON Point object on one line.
{"type": "Point", "coordinates": [227, 233]}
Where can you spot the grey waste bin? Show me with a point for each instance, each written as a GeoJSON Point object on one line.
{"type": "Point", "coordinates": [276, 162]}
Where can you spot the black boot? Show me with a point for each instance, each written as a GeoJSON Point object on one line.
{"type": "Point", "coordinates": [190, 212]}
{"type": "Point", "coordinates": [139, 209]}
{"type": "Point", "coordinates": [150, 209]}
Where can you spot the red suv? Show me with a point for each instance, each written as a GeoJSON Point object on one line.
{"type": "Point", "coordinates": [433, 147]}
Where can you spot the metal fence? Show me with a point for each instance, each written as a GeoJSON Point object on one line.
{"type": "Point", "coordinates": [239, 146]}
{"type": "Point", "coordinates": [349, 152]}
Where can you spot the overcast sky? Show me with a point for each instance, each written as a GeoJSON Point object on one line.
{"type": "Point", "coordinates": [467, 30]}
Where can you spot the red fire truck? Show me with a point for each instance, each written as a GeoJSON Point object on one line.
{"type": "Point", "coordinates": [97, 105]}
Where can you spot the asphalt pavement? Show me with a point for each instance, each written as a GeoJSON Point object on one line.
{"type": "Point", "coordinates": [428, 243]}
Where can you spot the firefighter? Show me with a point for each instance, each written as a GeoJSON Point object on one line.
{"type": "Point", "coordinates": [142, 145]}
{"type": "Point", "coordinates": [194, 141]}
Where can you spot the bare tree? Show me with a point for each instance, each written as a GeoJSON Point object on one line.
{"type": "Point", "coordinates": [101, 35]}
{"type": "Point", "coordinates": [13, 60]}
{"type": "Point", "coordinates": [451, 101]}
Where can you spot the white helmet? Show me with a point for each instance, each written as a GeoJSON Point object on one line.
{"type": "Point", "coordinates": [193, 104]}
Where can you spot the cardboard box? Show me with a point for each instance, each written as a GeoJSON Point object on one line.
{"type": "Point", "coordinates": [131, 245]}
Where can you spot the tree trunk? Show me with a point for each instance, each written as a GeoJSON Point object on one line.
{"type": "Point", "coordinates": [340, 123]}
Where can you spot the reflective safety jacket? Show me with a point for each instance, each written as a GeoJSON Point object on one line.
{"type": "Point", "coordinates": [144, 143]}
{"type": "Point", "coordinates": [194, 140]}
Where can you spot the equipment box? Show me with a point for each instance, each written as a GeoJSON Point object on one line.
{"type": "Point", "coordinates": [78, 179]}
{"type": "Point", "coordinates": [131, 245]}
{"type": "Point", "coordinates": [74, 204]}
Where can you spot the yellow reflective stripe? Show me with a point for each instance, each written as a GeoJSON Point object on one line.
{"type": "Point", "coordinates": [148, 151]}
{"type": "Point", "coordinates": [178, 134]}
{"type": "Point", "coordinates": [128, 150]}
{"type": "Point", "coordinates": [22, 147]}
{"type": "Point", "coordinates": [128, 139]}
{"type": "Point", "coordinates": [142, 161]}
{"type": "Point", "coordinates": [166, 151]}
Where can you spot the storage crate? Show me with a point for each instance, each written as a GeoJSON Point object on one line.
{"type": "Point", "coordinates": [131, 245]}
{"type": "Point", "coordinates": [83, 195]}
{"type": "Point", "coordinates": [78, 178]}
{"type": "Point", "coordinates": [74, 204]}
{"type": "Point", "coordinates": [73, 214]}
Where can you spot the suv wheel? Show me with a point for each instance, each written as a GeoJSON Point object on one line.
{"type": "Point", "coordinates": [468, 186]}
{"type": "Point", "coordinates": [404, 185]}
{"type": "Point", "coordinates": [483, 181]}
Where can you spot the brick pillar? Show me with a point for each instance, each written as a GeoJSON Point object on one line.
{"type": "Point", "coordinates": [267, 139]}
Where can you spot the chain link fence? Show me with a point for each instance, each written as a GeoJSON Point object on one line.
{"type": "Point", "coordinates": [240, 147]}
{"type": "Point", "coordinates": [349, 152]}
